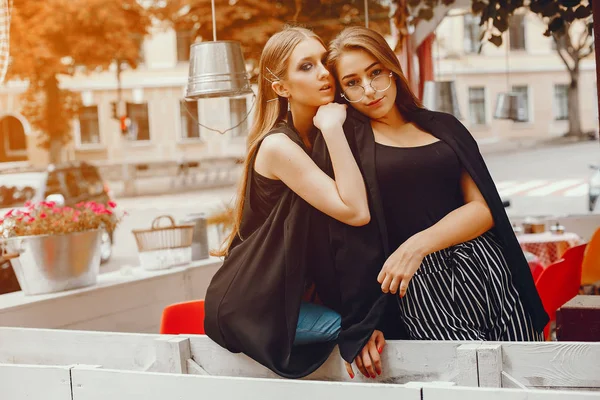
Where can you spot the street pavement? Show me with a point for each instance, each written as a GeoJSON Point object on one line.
{"type": "Point", "coordinates": [551, 180]}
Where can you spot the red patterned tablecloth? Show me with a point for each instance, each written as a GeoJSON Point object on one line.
{"type": "Point", "coordinates": [548, 246]}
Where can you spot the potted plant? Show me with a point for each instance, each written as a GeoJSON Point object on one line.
{"type": "Point", "coordinates": [54, 248]}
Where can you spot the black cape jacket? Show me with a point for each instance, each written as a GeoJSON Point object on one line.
{"type": "Point", "coordinates": [253, 301]}
{"type": "Point", "coordinates": [356, 254]}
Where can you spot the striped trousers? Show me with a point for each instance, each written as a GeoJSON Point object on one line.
{"type": "Point", "coordinates": [465, 292]}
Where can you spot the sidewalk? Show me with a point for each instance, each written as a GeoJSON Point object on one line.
{"type": "Point", "coordinates": [157, 185]}
{"type": "Point", "coordinates": [511, 145]}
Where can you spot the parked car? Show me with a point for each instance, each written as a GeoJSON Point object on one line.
{"type": "Point", "coordinates": [66, 184]}
{"type": "Point", "coordinates": [594, 187]}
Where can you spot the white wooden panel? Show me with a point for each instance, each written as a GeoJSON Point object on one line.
{"type": "Point", "coordinates": [89, 384]}
{"type": "Point", "coordinates": [144, 319]}
{"type": "Point", "coordinates": [402, 361]}
{"type": "Point", "coordinates": [32, 382]}
{"type": "Point", "coordinates": [198, 278]}
{"type": "Point", "coordinates": [489, 361]}
{"type": "Point", "coordinates": [96, 302]}
{"type": "Point", "coordinates": [172, 355]}
{"type": "Point", "coordinates": [546, 364]}
{"type": "Point", "coordinates": [432, 393]}
{"type": "Point", "coordinates": [55, 347]}
{"type": "Point", "coordinates": [119, 302]}
{"type": "Point", "coordinates": [467, 365]}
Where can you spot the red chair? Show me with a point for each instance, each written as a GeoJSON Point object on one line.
{"type": "Point", "coordinates": [183, 318]}
{"type": "Point", "coordinates": [559, 282]}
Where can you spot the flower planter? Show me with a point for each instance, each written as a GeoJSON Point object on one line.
{"type": "Point", "coordinates": [53, 263]}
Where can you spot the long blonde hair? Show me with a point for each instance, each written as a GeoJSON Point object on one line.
{"type": "Point", "coordinates": [271, 109]}
{"type": "Point", "coordinates": [360, 38]}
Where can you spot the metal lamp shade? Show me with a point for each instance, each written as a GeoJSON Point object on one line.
{"type": "Point", "coordinates": [441, 96]}
{"type": "Point", "coordinates": [511, 106]}
{"type": "Point", "coordinates": [217, 69]}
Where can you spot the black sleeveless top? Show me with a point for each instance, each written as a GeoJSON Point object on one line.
{"type": "Point", "coordinates": [419, 186]}
{"type": "Point", "coordinates": [265, 194]}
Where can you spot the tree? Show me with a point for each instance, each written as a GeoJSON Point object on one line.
{"type": "Point", "coordinates": [569, 22]}
{"type": "Point", "coordinates": [55, 38]}
{"type": "Point", "coordinates": [252, 22]}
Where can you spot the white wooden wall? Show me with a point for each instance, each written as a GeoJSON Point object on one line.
{"type": "Point", "coordinates": [93, 383]}
{"type": "Point", "coordinates": [120, 302]}
{"type": "Point", "coordinates": [136, 352]}
{"type": "Point", "coordinates": [32, 382]}
{"type": "Point", "coordinates": [572, 366]}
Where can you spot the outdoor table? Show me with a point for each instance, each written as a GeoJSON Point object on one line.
{"type": "Point", "coordinates": [548, 247]}
{"type": "Point", "coordinates": [535, 265]}
{"type": "Point", "coordinates": [127, 300]}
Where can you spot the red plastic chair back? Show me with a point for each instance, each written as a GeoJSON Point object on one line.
{"type": "Point", "coordinates": [183, 318]}
{"type": "Point", "coordinates": [559, 282]}
{"type": "Point", "coordinates": [591, 261]}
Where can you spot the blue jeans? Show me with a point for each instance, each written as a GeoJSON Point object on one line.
{"type": "Point", "coordinates": [317, 324]}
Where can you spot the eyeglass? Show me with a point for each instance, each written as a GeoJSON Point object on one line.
{"type": "Point", "coordinates": [380, 83]}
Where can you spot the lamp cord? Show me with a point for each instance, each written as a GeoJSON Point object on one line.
{"type": "Point", "coordinates": [217, 130]}
{"type": "Point", "coordinates": [214, 20]}
{"type": "Point", "coordinates": [507, 61]}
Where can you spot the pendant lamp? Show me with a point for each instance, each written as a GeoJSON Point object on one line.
{"type": "Point", "coordinates": [217, 68]}
{"type": "Point", "coordinates": [441, 95]}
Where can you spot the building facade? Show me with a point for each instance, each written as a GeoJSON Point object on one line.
{"type": "Point", "coordinates": [164, 126]}
{"type": "Point", "coordinates": [531, 66]}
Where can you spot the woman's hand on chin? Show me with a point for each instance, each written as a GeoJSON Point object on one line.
{"type": "Point", "coordinates": [331, 115]}
{"type": "Point", "coordinates": [368, 361]}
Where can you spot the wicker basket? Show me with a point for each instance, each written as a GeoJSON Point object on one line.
{"type": "Point", "coordinates": [164, 247]}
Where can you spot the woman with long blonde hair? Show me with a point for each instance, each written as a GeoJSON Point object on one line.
{"type": "Point", "coordinates": [440, 258]}
{"type": "Point", "coordinates": [253, 303]}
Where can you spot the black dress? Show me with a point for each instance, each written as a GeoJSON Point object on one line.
{"type": "Point", "coordinates": [464, 292]}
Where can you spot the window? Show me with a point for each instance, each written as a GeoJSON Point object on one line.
{"type": "Point", "coordinates": [561, 102]}
{"type": "Point", "coordinates": [516, 29]}
{"type": "Point", "coordinates": [472, 32]}
{"type": "Point", "coordinates": [189, 126]}
{"type": "Point", "coordinates": [11, 129]}
{"type": "Point", "coordinates": [237, 114]}
{"type": "Point", "coordinates": [184, 41]}
{"type": "Point", "coordinates": [89, 128]}
{"type": "Point", "coordinates": [140, 126]}
{"type": "Point", "coordinates": [524, 92]}
{"type": "Point", "coordinates": [477, 106]}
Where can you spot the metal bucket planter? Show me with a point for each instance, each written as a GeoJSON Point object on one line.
{"type": "Point", "coordinates": [53, 263]}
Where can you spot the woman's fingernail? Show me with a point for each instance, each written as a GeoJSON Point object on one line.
{"type": "Point", "coordinates": [351, 376]}
{"type": "Point", "coordinates": [379, 350]}
{"type": "Point", "coordinates": [373, 376]}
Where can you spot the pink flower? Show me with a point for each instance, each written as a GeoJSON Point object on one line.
{"type": "Point", "coordinates": [75, 219]}
{"type": "Point", "coordinates": [30, 220]}
{"type": "Point", "coordinates": [28, 204]}
{"type": "Point", "coordinates": [112, 204]}
{"type": "Point", "coordinates": [43, 215]}
{"type": "Point", "coordinates": [9, 213]}
{"type": "Point", "coordinates": [80, 204]}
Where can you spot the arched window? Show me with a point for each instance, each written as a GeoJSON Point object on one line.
{"type": "Point", "coordinates": [13, 135]}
